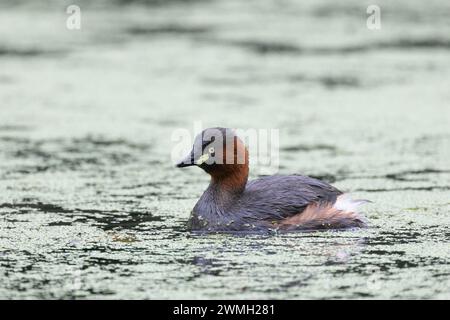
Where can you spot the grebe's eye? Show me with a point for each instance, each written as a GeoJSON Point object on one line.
{"type": "Point", "coordinates": [211, 150]}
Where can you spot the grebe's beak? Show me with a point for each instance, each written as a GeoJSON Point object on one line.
{"type": "Point", "coordinates": [187, 161]}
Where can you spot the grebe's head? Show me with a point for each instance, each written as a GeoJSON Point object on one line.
{"type": "Point", "coordinates": [220, 152]}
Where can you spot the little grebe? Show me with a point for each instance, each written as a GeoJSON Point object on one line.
{"type": "Point", "coordinates": [231, 203]}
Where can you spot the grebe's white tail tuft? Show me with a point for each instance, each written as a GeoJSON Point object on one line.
{"type": "Point", "coordinates": [347, 204]}
{"type": "Point", "coordinates": [343, 213]}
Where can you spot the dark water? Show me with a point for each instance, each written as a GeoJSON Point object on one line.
{"type": "Point", "coordinates": [91, 206]}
